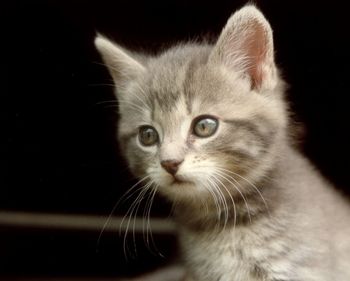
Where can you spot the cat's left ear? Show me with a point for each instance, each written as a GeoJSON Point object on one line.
{"type": "Point", "coordinates": [246, 46]}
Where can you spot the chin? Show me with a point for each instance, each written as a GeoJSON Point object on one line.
{"type": "Point", "coordinates": [180, 191]}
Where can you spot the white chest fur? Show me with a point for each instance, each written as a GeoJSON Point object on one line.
{"type": "Point", "coordinates": [221, 257]}
{"type": "Point", "coordinates": [241, 254]}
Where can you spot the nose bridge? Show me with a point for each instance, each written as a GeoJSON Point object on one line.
{"type": "Point", "coordinates": [172, 148]}
{"type": "Point", "coordinates": [173, 144]}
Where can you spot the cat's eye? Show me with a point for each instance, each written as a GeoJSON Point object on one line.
{"type": "Point", "coordinates": [148, 135]}
{"type": "Point", "coordinates": [205, 126]}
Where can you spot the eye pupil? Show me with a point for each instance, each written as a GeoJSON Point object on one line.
{"type": "Point", "coordinates": [148, 135]}
{"type": "Point", "coordinates": [205, 126]}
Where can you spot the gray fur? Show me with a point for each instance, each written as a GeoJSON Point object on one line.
{"type": "Point", "coordinates": [249, 207]}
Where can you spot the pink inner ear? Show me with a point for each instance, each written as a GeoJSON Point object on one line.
{"type": "Point", "coordinates": [255, 46]}
{"type": "Point", "coordinates": [246, 46]}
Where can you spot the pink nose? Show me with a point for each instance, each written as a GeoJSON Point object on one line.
{"type": "Point", "coordinates": [171, 166]}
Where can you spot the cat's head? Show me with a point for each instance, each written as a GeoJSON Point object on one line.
{"type": "Point", "coordinates": [201, 120]}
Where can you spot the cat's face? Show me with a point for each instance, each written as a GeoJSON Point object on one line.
{"type": "Point", "coordinates": [201, 121]}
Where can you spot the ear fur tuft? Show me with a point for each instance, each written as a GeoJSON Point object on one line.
{"type": "Point", "coordinates": [121, 65]}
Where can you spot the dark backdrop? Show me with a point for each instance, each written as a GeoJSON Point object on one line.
{"type": "Point", "coordinates": [58, 150]}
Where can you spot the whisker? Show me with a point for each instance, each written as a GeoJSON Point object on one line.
{"type": "Point", "coordinates": [149, 235]}
{"type": "Point", "coordinates": [228, 177]}
{"type": "Point", "coordinates": [128, 215]}
{"type": "Point", "coordinates": [144, 217]}
{"type": "Point", "coordinates": [232, 200]}
{"type": "Point", "coordinates": [132, 105]}
{"type": "Point", "coordinates": [117, 103]}
{"type": "Point", "coordinates": [252, 185]}
{"type": "Point", "coordinates": [107, 101]}
{"type": "Point", "coordinates": [131, 211]}
{"type": "Point", "coordinates": [222, 199]}
{"type": "Point", "coordinates": [121, 199]}
{"type": "Point", "coordinates": [101, 84]}
{"type": "Point", "coordinates": [210, 189]}
{"type": "Point", "coordinates": [107, 66]}
{"type": "Point", "coordinates": [147, 187]}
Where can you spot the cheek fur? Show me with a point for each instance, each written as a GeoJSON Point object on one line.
{"type": "Point", "coordinates": [140, 159]}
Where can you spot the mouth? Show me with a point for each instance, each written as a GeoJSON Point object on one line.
{"type": "Point", "coordinates": [180, 180]}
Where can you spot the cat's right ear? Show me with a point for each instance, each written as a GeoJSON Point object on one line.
{"type": "Point", "coordinates": [121, 65]}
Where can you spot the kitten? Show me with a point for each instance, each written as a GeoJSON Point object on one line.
{"type": "Point", "coordinates": [207, 125]}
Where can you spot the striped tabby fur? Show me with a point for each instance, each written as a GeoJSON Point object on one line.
{"type": "Point", "coordinates": [248, 206]}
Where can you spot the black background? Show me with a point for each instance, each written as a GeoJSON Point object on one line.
{"type": "Point", "coordinates": [58, 149]}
